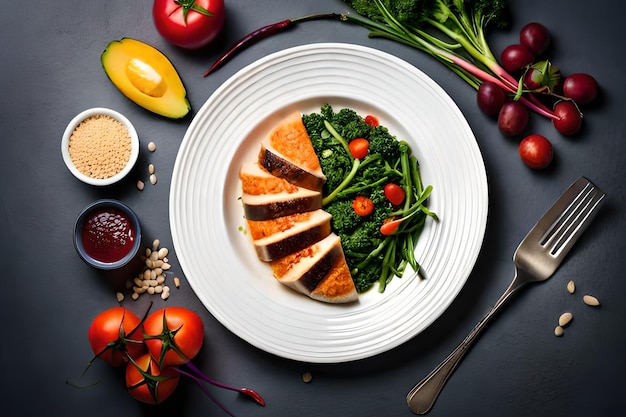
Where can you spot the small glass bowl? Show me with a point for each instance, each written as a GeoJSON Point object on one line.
{"type": "Point", "coordinates": [87, 213]}
{"type": "Point", "coordinates": [134, 154]}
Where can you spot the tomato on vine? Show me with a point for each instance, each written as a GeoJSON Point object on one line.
{"type": "Point", "coordinates": [148, 383]}
{"type": "Point", "coordinates": [114, 334]}
{"type": "Point", "coordinates": [189, 24]}
{"type": "Point", "coordinates": [173, 335]}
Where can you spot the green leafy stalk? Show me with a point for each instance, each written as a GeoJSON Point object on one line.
{"type": "Point", "coordinates": [451, 31]}
{"type": "Point", "coordinates": [355, 165]}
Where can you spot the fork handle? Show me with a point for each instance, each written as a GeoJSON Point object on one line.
{"type": "Point", "coordinates": [424, 394]}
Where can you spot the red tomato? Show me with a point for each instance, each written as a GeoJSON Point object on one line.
{"type": "Point", "coordinates": [363, 206]}
{"type": "Point", "coordinates": [155, 385]}
{"type": "Point", "coordinates": [536, 151]}
{"type": "Point", "coordinates": [189, 24]}
{"type": "Point", "coordinates": [359, 147]}
{"type": "Point", "coordinates": [173, 335]}
{"type": "Point", "coordinates": [115, 332]}
{"type": "Point", "coordinates": [394, 193]}
{"type": "Point", "coordinates": [371, 120]}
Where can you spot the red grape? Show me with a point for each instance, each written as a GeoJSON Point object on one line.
{"type": "Point", "coordinates": [490, 98]}
{"type": "Point", "coordinates": [515, 57]}
{"type": "Point", "coordinates": [513, 118]}
{"type": "Point", "coordinates": [580, 87]}
{"type": "Point", "coordinates": [535, 37]}
{"type": "Point", "coordinates": [569, 120]}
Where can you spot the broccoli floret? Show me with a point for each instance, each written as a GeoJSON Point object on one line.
{"type": "Point", "coordinates": [335, 164]}
{"type": "Point", "coordinates": [349, 124]}
{"type": "Point", "coordinates": [365, 278]}
{"type": "Point", "coordinates": [314, 124]}
{"type": "Point", "coordinates": [382, 206]}
{"type": "Point", "coordinates": [384, 143]}
{"type": "Point", "coordinates": [345, 220]}
{"type": "Point", "coordinates": [362, 241]}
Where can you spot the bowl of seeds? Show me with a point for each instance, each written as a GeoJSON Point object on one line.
{"type": "Point", "coordinates": [100, 146]}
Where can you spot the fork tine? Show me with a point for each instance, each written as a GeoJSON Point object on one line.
{"type": "Point", "coordinates": [571, 217]}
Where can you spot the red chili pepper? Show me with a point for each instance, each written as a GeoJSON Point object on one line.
{"type": "Point", "coordinates": [390, 227]}
{"type": "Point", "coordinates": [363, 206]}
{"type": "Point", "coordinates": [254, 395]}
{"type": "Point", "coordinates": [266, 31]}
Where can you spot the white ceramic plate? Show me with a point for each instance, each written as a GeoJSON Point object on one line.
{"type": "Point", "coordinates": [207, 221]}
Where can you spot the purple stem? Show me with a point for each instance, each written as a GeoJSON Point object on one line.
{"type": "Point", "coordinates": [247, 391]}
{"type": "Point", "coordinates": [206, 391]}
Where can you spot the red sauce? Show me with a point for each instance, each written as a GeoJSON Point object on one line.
{"type": "Point", "coordinates": [108, 235]}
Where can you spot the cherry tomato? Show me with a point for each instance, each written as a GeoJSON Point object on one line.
{"type": "Point", "coordinates": [173, 335]}
{"type": "Point", "coordinates": [536, 151]}
{"type": "Point", "coordinates": [394, 193]}
{"type": "Point", "coordinates": [113, 333]}
{"type": "Point", "coordinates": [363, 206]}
{"type": "Point", "coordinates": [149, 384]}
{"type": "Point", "coordinates": [371, 120]}
{"type": "Point", "coordinates": [189, 24]}
{"type": "Point", "coordinates": [359, 147]}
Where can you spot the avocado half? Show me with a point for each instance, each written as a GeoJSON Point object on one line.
{"type": "Point", "coordinates": [144, 75]}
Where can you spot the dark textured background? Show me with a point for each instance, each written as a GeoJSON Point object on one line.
{"type": "Point", "coordinates": [50, 71]}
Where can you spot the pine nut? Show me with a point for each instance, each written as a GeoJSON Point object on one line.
{"type": "Point", "coordinates": [153, 179]}
{"type": "Point", "coordinates": [139, 290]}
{"type": "Point", "coordinates": [140, 185]}
{"type": "Point", "coordinates": [163, 253]}
{"type": "Point", "coordinates": [571, 287]}
{"type": "Point", "coordinates": [151, 168]}
{"type": "Point", "coordinates": [155, 244]}
{"type": "Point", "coordinates": [565, 319]}
{"type": "Point", "coordinates": [558, 331]}
{"type": "Point", "coordinates": [166, 266]}
{"type": "Point", "coordinates": [134, 296]}
{"type": "Point", "coordinates": [177, 282]}
{"type": "Point", "coordinates": [151, 146]}
{"type": "Point", "coordinates": [590, 300]}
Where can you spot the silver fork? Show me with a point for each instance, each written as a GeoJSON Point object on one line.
{"type": "Point", "coordinates": [536, 259]}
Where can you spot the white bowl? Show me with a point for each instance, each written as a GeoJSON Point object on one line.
{"type": "Point", "coordinates": [134, 154]}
